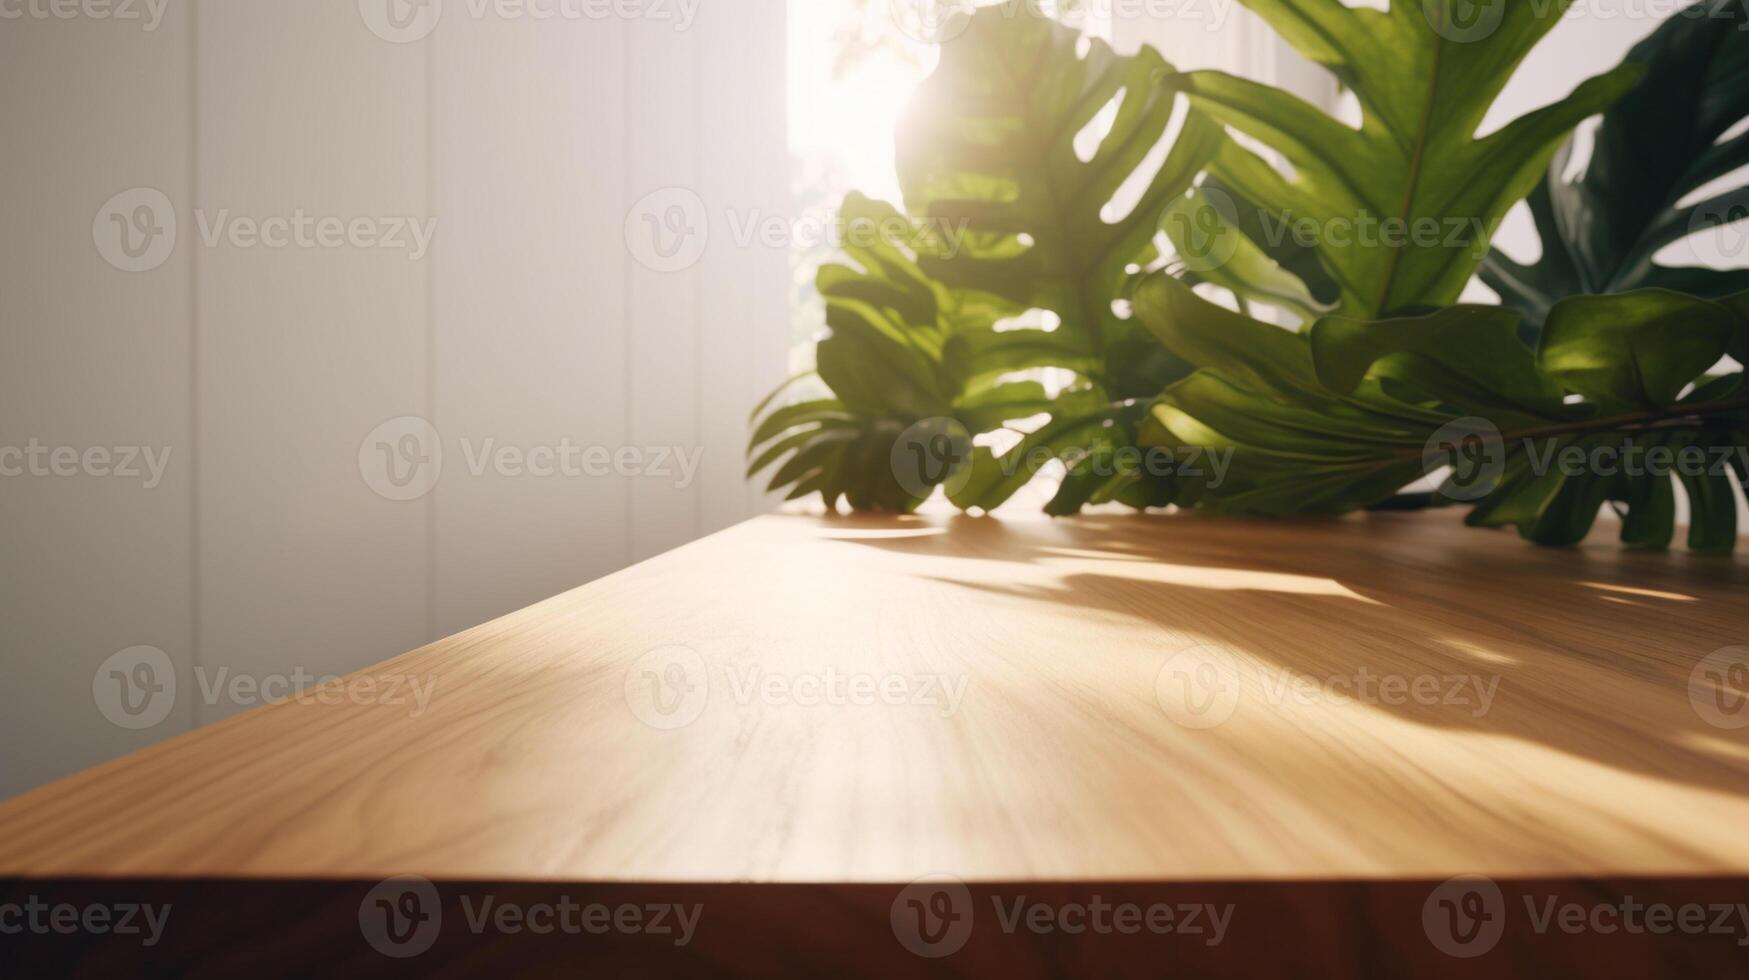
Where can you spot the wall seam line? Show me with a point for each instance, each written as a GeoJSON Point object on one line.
{"type": "Point", "coordinates": [628, 294]}
{"type": "Point", "coordinates": [196, 579]}
{"type": "Point", "coordinates": [698, 280]}
{"type": "Point", "coordinates": [431, 326]}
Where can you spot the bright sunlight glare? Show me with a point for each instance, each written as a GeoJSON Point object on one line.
{"type": "Point", "coordinates": [851, 73]}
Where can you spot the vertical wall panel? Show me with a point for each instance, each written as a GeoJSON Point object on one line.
{"type": "Point", "coordinates": [303, 351]}
{"type": "Point", "coordinates": [90, 356]}
{"type": "Point", "coordinates": [273, 547]}
{"type": "Point", "coordinates": [663, 315]}
{"type": "Point", "coordinates": [530, 292]}
{"type": "Point", "coordinates": [744, 282]}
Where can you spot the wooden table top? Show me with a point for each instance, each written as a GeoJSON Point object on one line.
{"type": "Point", "coordinates": [1165, 698]}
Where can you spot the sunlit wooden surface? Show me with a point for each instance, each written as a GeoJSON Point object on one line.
{"type": "Point", "coordinates": [1028, 719]}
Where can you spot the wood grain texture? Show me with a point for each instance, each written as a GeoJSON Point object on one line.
{"type": "Point", "coordinates": [531, 761]}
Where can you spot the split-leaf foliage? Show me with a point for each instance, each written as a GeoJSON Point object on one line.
{"type": "Point", "coordinates": [1026, 247]}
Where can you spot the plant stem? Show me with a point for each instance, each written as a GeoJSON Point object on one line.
{"type": "Point", "coordinates": [1634, 420]}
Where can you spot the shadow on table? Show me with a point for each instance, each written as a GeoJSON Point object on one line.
{"type": "Point", "coordinates": [1598, 652]}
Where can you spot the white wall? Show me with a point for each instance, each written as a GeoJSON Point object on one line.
{"type": "Point", "coordinates": [1221, 35]}
{"type": "Point", "coordinates": [264, 551]}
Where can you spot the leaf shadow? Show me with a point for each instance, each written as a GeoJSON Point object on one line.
{"type": "Point", "coordinates": [1594, 649]}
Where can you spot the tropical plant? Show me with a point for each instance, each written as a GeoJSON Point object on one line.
{"type": "Point", "coordinates": [1668, 140]}
{"type": "Point", "coordinates": [1423, 86]}
{"type": "Point", "coordinates": [1596, 353]}
{"type": "Point", "coordinates": [1007, 219]}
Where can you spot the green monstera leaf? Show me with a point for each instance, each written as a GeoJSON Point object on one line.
{"type": "Point", "coordinates": [988, 156]}
{"type": "Point", "coordinates": [1646, 412]}
{"type": "Point", "coordinates": [1269, 232]}
{"type": "Point", "coordinates": [1663, 143]}
{"type": "Point", "coordinates": [1650, 416]}
{"type": "Point", "coordinates": [987, 151]}
{"type": "Point", "coordinates": [1402, 207]}
{"type": "Point", "coordinates": [1296, 445]}
{"type": "Point", "coordinates": [891, 366]}
{"type": "Point", "coordinates": [1634, 351]}
{"type": "Point", "coordinates": [1006, 218]}
{"type": "Point", "coordinates": [1613, 408]}
{"type": "Point", "coordinates": [1032, 206]}
{"type": "Point", "coordinates": [1468, 355]}
{"type": "Point", "coordinates": [1218, 248]}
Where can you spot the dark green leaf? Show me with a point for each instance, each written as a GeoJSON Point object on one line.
{"type": "Point", "coordinates": [802, 413]}
{"type": "Point", "coordinates": [1712, 508]}
{"type": "Point", "coordinates": [1657, 146]}
{"type": "Point", "coordinates": [1636, 349]}
{"type": "Point", "coordinates": [1468, 356]}
{"type": "Point", "coordinates": [996, 478]}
